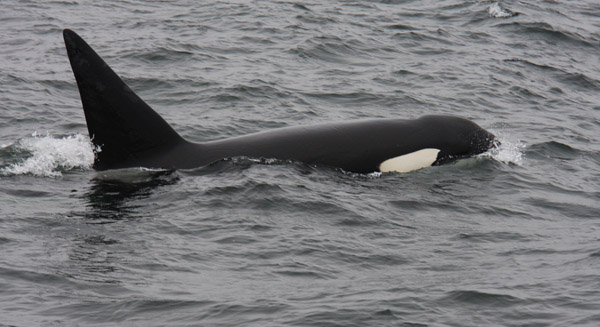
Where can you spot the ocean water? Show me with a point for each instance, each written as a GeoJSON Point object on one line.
{"type": "Point", "coordinates": [510, 238]}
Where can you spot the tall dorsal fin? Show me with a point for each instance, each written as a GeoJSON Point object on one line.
{"type": "Point", "coordinates": [118, 121]}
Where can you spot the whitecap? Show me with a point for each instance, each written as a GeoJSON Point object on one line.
{"type": "Point", "coordinates": [48, 156]}
{"type": "Point", "coordinates": [507, 150]}
{"type": "Point", "coordinates": [498, 12]}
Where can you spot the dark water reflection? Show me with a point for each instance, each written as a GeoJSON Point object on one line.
{"type": "Point", "coordinates": [99, 251]}
{"type": "Point", "coordinates": [111, 194]}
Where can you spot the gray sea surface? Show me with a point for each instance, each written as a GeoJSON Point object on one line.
{"type": "Point", "coordinates": [511, 238]}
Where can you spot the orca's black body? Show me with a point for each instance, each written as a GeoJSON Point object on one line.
{"type": "Point", "coordinates": [131, 134]}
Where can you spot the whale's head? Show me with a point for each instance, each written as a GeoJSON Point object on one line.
{"type": "Point", "coordinates": [458, 138]}
{"type": "Point", "coordinates": [437, 140]}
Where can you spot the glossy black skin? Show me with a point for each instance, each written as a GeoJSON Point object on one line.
{"type": "Point", "coordinates": [131, 134]}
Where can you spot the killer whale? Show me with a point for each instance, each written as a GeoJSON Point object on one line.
{"type": "Point", "coordinates": [130, 133]}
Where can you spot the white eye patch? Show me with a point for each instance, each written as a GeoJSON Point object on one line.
{"type": "Point", "coordinates": [410, 161]}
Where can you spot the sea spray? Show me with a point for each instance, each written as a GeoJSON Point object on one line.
{"type": "Point", "coordinates": [508, 150]}
{"type": "Point", "coordinates": [48, 156]}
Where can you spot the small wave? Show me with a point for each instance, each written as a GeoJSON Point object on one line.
{"type": "Point", "coordinates": [576, 80]}
{"type": "Point", "coordinates": [552, 34]}
{"type": "Point", "coordinates": [482, 298]}
{"type": "Point", "coordinates": [133, 175]}
{"type": "Point", "coordinates": [496, 11]}
{"type": "Point", "coordinates": [507, 150]}
{"type": "Point", "coordinates": [47, 156]}
{"type": "Point", "coordinates": [553, 149]}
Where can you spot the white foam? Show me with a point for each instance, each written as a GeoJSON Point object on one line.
{"type": "Point", "coordinates": [49, 156]}
{"type": "Point", "coordinates": [509, 150]}
{"type": "Point", "coordinates": [498, 12]}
